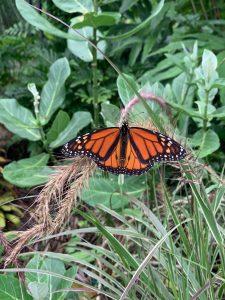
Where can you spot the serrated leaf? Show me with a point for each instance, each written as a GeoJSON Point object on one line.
{"type": "Point", "coordinates": [79, 121]}
{"type": "Point", "coordinates": [12, 289]}
{"type": "Point", "coordinates": [97, 20]}
{"type": "Point", "coordinates": [18, 119]}
{"type": "Point", "coordinates": [53, 93]}
{"type": "Point", "coordinates": [207, 142]}
{"type": "Point", "coordinates": [80, 47]}
{"type": "Point", "coordinates": [28, 172]}
{"type": "Point", "coordinates": [72, 6]}
{"type": "Point", "coordinates": [107, 191]}
{"type": "Point", "coordinates": [59, 124]}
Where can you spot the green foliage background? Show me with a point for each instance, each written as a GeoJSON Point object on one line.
{"type": "Point", "coordinates": [54, 85]}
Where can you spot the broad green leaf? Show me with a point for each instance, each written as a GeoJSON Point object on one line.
{"type": "Point", "coordinates": [179, 85]}
{"type": "Point", "coordinates": [53, 92]}
{"type": "Point", "coordinates": [79, 120]}
{"type": "Point", "coordinates": [42, 284]}
{"type": "Point", "coordinates": [73, 6]}
{"type": "Point", "coordinates": [28, 172]}
{"type": "Point", "coordinates": [39, 290]}
{"type": "Point", "coordinates": [125, 92]}
{"type": "Point", "coordinates": [209, 64]}
{"type": "Point", "coordinates": [80, 47]}
{"type": "Point", "coordinates": [201, 107]}
{"type": "Point", "coordinates": [36, 19]}
{"type": "Point", "coordinates": [219, 112]}
{"type": "Point", "coordinates": [12, 289]}
{"type": "Point", "coordinates": [65, 284]}
{"type": "Point", "coordinates": [97, 20]}
{"type": "Point", "coordinates": [19, 119]}
{"type": "Point", "coordinates": [108, 192]}
{"type": "Point", "coordinates": [207, 142]}
{"type": "Point", "coordinates": [128, 90]}
{"type": "Point", "coordinates": [59, 124]}
{"type": "Point", "coordinates": [110, 113]}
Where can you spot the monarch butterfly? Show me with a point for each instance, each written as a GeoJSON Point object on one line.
{"type": "Point", "coordinates": [125, 150]}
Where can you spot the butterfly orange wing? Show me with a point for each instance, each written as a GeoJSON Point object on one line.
{"type": "Point", "coordinates": [151, 146]}
{"type": "Point", "coordinates": [98, 144]}
{"type": "Point", "coordinates": [143, 148]}
{"type": "Point", "coordinates": [130, 166]}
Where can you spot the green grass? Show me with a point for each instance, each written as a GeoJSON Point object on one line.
{"type": "Point", "coordinates": [175, 252]}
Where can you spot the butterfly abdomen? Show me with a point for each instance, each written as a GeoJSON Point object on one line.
{"type": "Point", "coordinates": [123, 144]}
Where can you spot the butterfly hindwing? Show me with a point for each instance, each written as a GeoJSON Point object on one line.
{"type": "Point", "coordinates": [130, 166]}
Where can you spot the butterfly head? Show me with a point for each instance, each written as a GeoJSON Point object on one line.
{"type": "Point", "coordinates": [124, 127]}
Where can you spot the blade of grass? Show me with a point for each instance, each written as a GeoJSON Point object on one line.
{"type": "Point", "coordinates": [126, 257]}
{"type": "Point", "coordinates": [146, 261]}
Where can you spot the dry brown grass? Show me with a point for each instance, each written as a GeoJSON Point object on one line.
{"type": "Point", "coordinates": [56, 201]}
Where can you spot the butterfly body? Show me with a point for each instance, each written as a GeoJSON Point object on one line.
{"type": "Point", "coordinates": [125, 150]}
{"type": "Point", "coordinates": [123, 143]}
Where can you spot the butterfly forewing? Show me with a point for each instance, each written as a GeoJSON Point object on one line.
{"type": "Point", "coordinates": [98, 144]}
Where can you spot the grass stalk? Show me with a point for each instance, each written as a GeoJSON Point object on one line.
{"type": "Point", "coordinates": [94, 72]}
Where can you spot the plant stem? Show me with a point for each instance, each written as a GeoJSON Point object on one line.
{"type": "Point", "coordinates": [94, 72]}
{"type": "Point", "coordinates": [205, 119]}
{"type": "Point", "coordinates": [45, 145]}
